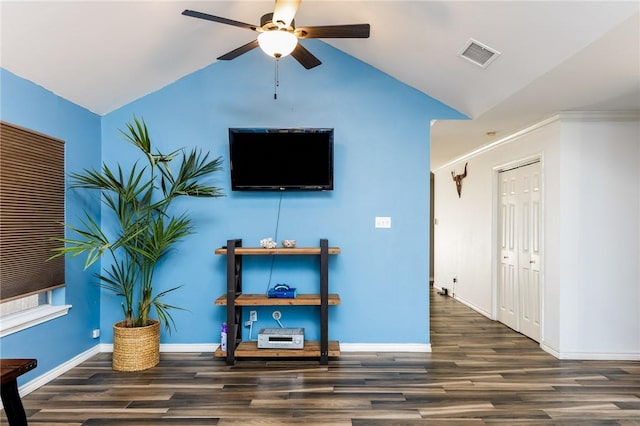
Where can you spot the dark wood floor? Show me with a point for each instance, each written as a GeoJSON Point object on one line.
{"type": "Point", "coordinates": [479, 372]}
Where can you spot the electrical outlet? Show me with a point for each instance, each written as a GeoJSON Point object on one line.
{"type": "Point", "coordinates": [95, 333]}
{"type": "Point", "coordinates": [276, 315]}
{"type": "Point", "coordinates": [253, 316]}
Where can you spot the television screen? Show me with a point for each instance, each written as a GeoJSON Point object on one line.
{"type": "Point", "coordinates": [281, 159]}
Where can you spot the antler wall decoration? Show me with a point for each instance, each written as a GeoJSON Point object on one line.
{"type": "Point", "coordinates": [458, 179]}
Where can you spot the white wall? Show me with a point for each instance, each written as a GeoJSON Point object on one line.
{"type": "Point", "coordinates": [591, 235]}
{"type": "Point", "coordinates": [602, 212]}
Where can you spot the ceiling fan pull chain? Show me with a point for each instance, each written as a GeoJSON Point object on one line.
{"type": "Point", "coordinates": [276, 81]}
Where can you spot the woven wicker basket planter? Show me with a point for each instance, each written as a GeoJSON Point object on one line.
{"type": "Point", "coordinates": [136, 348]}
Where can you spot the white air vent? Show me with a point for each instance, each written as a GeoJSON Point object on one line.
{"type": "Point", "coordinates": [478, 53]}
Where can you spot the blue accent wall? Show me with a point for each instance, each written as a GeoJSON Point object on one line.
{"type": "Point", "coordinates": [381, 169]}
{"type": "Point", "coordinates": [30, 106]}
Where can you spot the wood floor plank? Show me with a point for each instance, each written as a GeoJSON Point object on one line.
{"type": "Point", "coordinates": [478, 373]}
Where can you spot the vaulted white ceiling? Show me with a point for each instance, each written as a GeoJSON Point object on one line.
{"type": "Point", "coordinates": [554, 55]}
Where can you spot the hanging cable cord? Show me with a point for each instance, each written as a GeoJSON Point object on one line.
{"type": "Point", "coordinates": [273, 258]}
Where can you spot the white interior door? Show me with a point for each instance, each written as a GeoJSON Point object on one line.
{"type": "Point", "coordinates": [508, 288]}
{"type": "Point", "coordinates": [519, 227]}
{"type": "Point", "coordinates": [529, 251]}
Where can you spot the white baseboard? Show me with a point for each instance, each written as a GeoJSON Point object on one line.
{"type": "Point", "coordinates": [344, 347]}
{"type": "Point", "coordinates": [590, 356]}
{"type": "Point", "coordinates": [599, 356]}
{"type": "Point", "coordinates": [467, 303]}
{"type": "Point", "coordinates": [173, 347]}
{"type": "Point", "coordinates": [474, 307]}
{"type": "Point", "coordinates": [188, 347]}
{"type": "Point", "coordinates": [550, 350]}
{"type": "Point", "coordinates": [48, 376]}
{"type": "Point", "coordinates": [385, 347]}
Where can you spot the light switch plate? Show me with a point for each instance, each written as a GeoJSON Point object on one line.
{"type": "Point", "coordinates": [383, 222]}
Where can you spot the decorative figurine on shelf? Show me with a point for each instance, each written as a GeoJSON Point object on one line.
{"type": "Point", "coordinates": [288, 243]}
{"type": "Point", "coordinates": [268, 243]}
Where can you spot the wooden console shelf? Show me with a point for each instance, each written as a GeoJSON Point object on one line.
{"type": "Point", "coordinates": [311, 350]}
{"type": "Point", "coordinates": [234, 301]}
{"type": "Point", "coordinates": [262, 300]}
{"type": "Point", "coordinates": [258, 251]}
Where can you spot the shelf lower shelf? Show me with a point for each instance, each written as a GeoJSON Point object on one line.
{"type": "Point", "coordinates": [262, 300]}
{"type": "Point", "coordinates": [311, 350]}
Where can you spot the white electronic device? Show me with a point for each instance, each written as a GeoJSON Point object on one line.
{"type": "Point", "coordinates": [281, 338]}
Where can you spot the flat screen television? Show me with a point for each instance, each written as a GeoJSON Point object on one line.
{"type": "Point", "coordinates": [281, 159]}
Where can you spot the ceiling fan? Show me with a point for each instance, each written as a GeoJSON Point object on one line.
{"type": "Point", "coordinates": [278, 35]}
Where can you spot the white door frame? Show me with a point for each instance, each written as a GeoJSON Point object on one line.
{"type": "Point", "coordinates": [495, 245]}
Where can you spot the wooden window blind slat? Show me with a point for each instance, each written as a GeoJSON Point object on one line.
{"type": "Point", "coordinates": [31, 211]}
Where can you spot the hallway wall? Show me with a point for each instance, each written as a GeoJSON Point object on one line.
{"type": "Point", "coordinates": [591, 235]}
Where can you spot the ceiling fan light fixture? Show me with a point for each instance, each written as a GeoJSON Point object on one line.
{"type": "Point", "coordinates": [277, 43]}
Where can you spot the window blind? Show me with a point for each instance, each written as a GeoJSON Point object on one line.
{"type": "Point", "coordinates": [31, 211]}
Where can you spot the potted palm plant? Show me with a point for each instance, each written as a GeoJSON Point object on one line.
{"type": "Point", "coordinates": [140, 200]}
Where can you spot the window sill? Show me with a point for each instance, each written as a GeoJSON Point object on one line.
{"type": "Point", "coordinates": [31, 317]}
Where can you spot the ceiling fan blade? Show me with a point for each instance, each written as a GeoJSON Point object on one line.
{"type": "Point", "coordinates": [213, 18]}
{"type": "Point", "coordinates": [305, 57]}
{"type": "Point", "coordinates": [239, 51]}
{"type": "Point", "coordinates": [284, 11]}
{"type": "Point", "coordinates": [334, 31]}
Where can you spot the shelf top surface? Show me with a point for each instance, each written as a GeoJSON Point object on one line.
{"type": "Point", "coordinates": [271, 251]}
{"type": "Point", "coordinates": [262, 300]}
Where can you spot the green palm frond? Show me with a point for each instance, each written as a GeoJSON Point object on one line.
{"type": "Point", "coordinates": [138, 135]}
{"type": "Point", "coordinates": [92, 241]}
{"type": "Point", "coordinates": [162, 309]}
{"type": "Point", "coordinates": [140, 201]}
{"type": "Point", "coordinates": [195, 165]}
